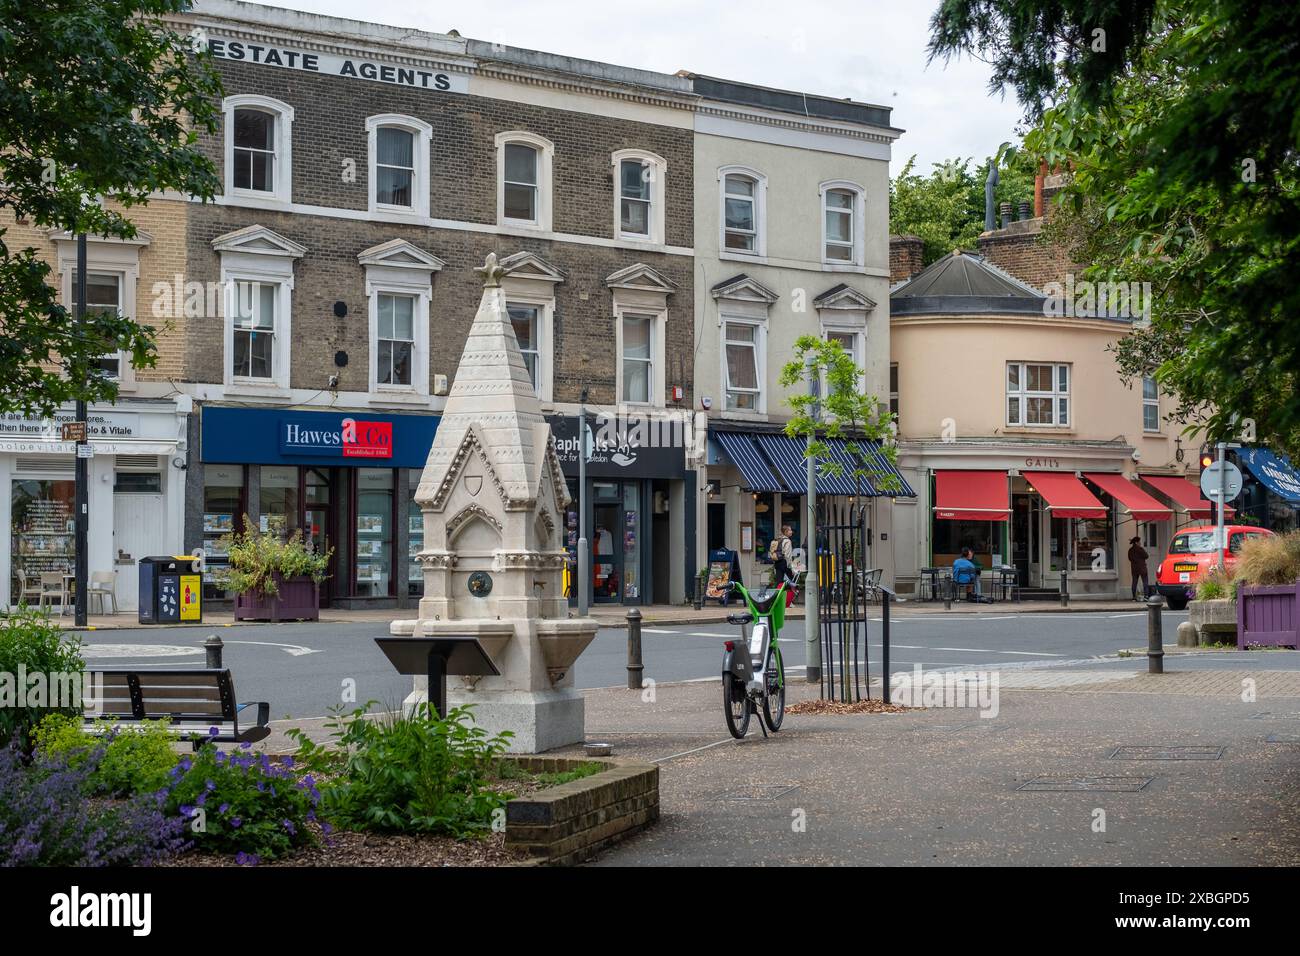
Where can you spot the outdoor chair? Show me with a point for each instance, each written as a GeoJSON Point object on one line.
{"type": "Point", "coordinates": [31, 593]}
{"type": "Point", "coordinates": [53, 586]}
{"type": "Point", "coordinates": [103, 584]}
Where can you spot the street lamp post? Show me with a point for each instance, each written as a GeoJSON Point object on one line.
{"type": "Point", "coordinates": [81, 520]}
{"type": "Point", "coordinates": [584, 557]}
{"type": "Point", "coordinates": [813, 673]}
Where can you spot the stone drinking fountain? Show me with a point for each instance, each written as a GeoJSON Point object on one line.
{"type": "Point", "coordinates": [493, 497]}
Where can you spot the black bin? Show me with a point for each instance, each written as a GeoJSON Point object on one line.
{"type": "Point", "coordinates": [171, 589]}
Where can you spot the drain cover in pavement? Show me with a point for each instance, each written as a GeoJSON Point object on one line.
{"type": "Point", "coordinates": [758, 792]}
{"type": "Point", "coordinates": [1282, 739]}
{"type": "Point", "coordinates": [1167, 753]}
{"type": "Point", "coordinates": [1089, 784]}
{"type": "Point", "coordinates": [1270, 715]}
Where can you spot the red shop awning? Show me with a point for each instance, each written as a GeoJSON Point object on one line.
{"type": "Point", "coordinates": [1140, 505]}
{"type": "Point", "coordinates": [1185, 495]}
{"type": "Point", "coordinates": [971, 496]}
{"type": "Point", "coordinates": [1066, 495]}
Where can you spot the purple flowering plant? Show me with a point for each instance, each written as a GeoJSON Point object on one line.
{"type": "Point", "coordinates": [46, 819]}
{"type": "Point", "coordinates": [243, 802]}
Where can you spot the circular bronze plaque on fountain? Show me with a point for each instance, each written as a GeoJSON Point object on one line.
{"type": "Point", "coordinates": [480, 584]}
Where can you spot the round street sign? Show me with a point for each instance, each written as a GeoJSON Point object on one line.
{"type": "Point", "coordinates": [1231, 482]}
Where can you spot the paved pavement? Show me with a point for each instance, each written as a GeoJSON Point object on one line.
{"type": "Point", "coordinates": [1041, 783]}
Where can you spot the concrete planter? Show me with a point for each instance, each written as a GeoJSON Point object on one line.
{"type": "Point", "coordinates": [1268, 615]}
{"type": "Point", "coordinates": [298, 600]}
{"type": "Point", "coordinates": [1215, 621]}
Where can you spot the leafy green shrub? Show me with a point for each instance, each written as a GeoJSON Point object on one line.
{"type": "Point", "coordinates": [243, 803]}
{"type": "Point", "coordinates": [585, 769]}
{"type": "Point", "coordinates": [1215, 586]}
{"type": "Point", "coordinates": [414, 773]}
{"type": "Point", "coordinates": [257, 557]}
{"type": "Point", "coordinates": [32, 644]}
{"type": "Point", "coordinates": [135, 759]}
{"type": "Point", "coordinates": [1270, 559]}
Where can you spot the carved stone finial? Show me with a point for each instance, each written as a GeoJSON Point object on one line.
{"type": "Point", "coordinates": [492, 271]}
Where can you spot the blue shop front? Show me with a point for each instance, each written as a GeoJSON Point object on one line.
{"type": "Point", "coordinates": [345, 479]}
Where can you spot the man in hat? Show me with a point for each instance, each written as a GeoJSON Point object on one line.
{"type": "Point", "coordinates": [1137, 562]}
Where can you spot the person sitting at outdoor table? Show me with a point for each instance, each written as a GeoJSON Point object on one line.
{"type": "Point", "coordinates": [965, 572]}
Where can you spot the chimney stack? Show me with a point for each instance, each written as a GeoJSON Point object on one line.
{"type": "Point", "coordinates": [990, 184]}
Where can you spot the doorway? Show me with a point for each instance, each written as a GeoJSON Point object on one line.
{"type": "Point", "coordinates": [136, 534]}
{"type": "Point", "coordinates": [717, 525]}
{"type": "Point", "coordinates": [317, 523]}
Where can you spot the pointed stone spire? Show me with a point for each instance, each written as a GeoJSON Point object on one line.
{"type": "Point", "coordinates": [494, 399]}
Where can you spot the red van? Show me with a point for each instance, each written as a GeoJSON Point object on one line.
{"type": "Point", "coordinates": [1192, 554]}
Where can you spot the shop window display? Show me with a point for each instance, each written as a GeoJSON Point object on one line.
{"type": "Point", "coordinates": [374, 557]}
{"type": "Point", "coordinates": [43, 535]}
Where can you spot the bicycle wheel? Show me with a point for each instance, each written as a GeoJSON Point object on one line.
{"type": "Point", "coordinates": [735, 704]}
{"type": "Point", "coordinates": [774, 690]}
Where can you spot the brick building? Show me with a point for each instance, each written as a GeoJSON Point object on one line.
{"type": "Point", "coordinates": [367, 170]}
{"type": "Point", "coordinates": [312, 316]}
{"type": "Point", "coordinates": [137, 475]}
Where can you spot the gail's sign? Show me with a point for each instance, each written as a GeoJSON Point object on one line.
{"type": "Point", "coordinates": [356, 68]}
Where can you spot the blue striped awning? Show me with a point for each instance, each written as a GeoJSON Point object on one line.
{"type": "Point", "coordinates": [740, 448]}
{"type": "Point", "coordinates": [787, 458]}
{"type": "Point", "coordinates": [878, 463]}
{"type": "Point", "coordinates": [840, 454]}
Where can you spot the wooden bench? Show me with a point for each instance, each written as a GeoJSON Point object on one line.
{"type": "Point", "coordinates": [194, 701]}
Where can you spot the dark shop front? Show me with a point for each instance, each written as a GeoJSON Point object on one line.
{"type": "Point", "coordinates": [345, 479]}
{"type": "Point", "coordinates": [640, 510]}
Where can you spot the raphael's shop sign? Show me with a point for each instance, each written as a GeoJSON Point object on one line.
{"type": "Point", "coordinates": [332, 65]}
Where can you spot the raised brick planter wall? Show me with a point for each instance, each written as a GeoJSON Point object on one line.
{"type": "Point", "coordinates": [575, 821]}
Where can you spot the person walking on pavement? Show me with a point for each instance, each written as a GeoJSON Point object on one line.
{"type": "Point", "coordinates": [783, 554]}
{"type": "Point", "coordinates": [1137, 562]}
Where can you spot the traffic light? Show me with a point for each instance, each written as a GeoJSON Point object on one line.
{"type": "Point", "coordinates": [1207, 457]}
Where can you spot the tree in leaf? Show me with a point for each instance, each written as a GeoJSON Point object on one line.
{"type": "Point", "coordinates": [1181, 125]}
{"type": "Point", "coordinates": [101, 103]}
{"type": "Point", "coordinates": [946, 208]}
{"type": "Point", "coordinates": [841, 409]}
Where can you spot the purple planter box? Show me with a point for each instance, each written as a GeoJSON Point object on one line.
{"type": "Point", "coordinates": [1268, 615]}
{"type": "Point", "coordinates": [298, 600]}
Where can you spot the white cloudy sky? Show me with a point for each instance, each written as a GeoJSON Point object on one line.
{"type": "Point", "coordinates": [869, 50]}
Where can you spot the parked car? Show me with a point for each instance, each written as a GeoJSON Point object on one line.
{"type": "Point", "coordinates": [1192, 554]}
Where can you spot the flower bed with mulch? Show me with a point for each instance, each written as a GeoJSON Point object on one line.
{"type": "Point", "coordinates": [839, 707]}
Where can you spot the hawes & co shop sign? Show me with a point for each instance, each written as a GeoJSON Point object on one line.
{"type": "Point", "coordinates": [328, 64]}
{"type": "Point", "coordinates": [271, 436]}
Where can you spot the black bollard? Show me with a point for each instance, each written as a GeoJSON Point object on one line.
{"type": "Point", "coordinates": [885, 595]}
{"type": "Point", "coordinates": [1065, 589]}
{"type": "Point", "coordinates": [213, 647]}
{"type": "Point", "coordinates": [634, 667]}
{"type": "Point", "coordinates": [1155, 640]}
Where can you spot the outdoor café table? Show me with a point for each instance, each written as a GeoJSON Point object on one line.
{"type": "Point", "coordinates": [933, 575]}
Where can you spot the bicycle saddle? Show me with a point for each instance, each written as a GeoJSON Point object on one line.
{"type": "Point", "coordinates": [740, 619]}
